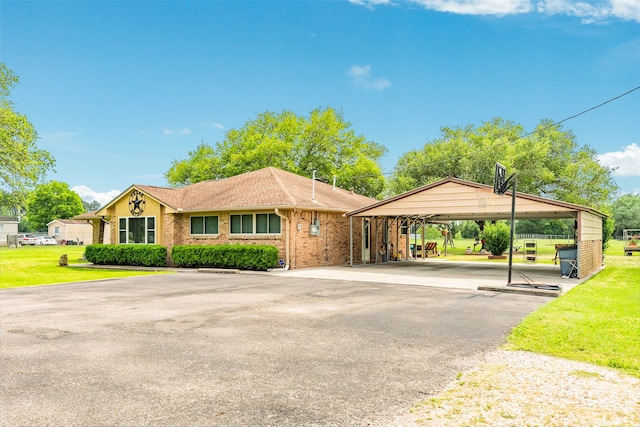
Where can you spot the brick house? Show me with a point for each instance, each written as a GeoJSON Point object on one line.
{"type": "Point", "coordinates": [305, 219]}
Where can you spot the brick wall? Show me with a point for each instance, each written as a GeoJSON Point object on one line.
{"type": "Point", "coordinates": [330, 247]}
{"type": "Point", "coordinates": [113, 225]}
{"type": "Point", "coordinates": [97, 228]}
{"type": "Point", "coordinates": [176, 231]}
{"type": "Point", "coordinates": [590, 257]}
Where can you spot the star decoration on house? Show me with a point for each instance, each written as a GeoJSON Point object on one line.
{"type": "Point", "coordinates": [136, 203]}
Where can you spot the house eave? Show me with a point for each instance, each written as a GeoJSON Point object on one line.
{"type": "Point", "coordinates": [261, 208]}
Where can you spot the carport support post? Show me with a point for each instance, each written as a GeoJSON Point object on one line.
{"type": "Point", "coordinates": [351, 241]}
{"type": "Point", "coordinates": [513, 226]}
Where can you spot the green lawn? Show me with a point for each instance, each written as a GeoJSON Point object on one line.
{"type": "Point", "coordinates": [38, 265]}
{"type": "Point", "coordinates": [597, 322]}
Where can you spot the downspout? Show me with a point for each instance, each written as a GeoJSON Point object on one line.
{"type": "Point", "coordinates": [286, 244]}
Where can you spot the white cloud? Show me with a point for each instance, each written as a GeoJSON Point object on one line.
{"type": "Point", "coordinates": [370, 3]}
{"type": "Point", "coordinates": [589, 11]}
{"type": "Point", "coordinates": [363, 78]}
{"type": "Point", "coordinates": [215, 125]}
{"type": "Point", "coordinates": [626, 9]}
{"type": "Point", "coordinates": [358, 71]}
{"type": "Point", "coordinates": [89, 195]}
{"type": "Point", "coordinates": [184, 131]}
{"type": "Point", "coordinates": [478, 7]}
{"type": "Point", "coordinates": [626, 162]}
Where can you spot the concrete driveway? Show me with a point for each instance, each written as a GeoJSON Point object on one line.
{"type": "Point", "coordinates": [438, 272]}
{"type": "Point", "coordinates": [245, 349]}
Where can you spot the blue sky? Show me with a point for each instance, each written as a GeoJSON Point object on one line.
{"type": "Point", "coordinates": [119, 89]}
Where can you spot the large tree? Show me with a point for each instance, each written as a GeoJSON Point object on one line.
{"type": "Point", "coordinates": [52, 200]}
{"type": "Point", "coordinates": [548, 161]}
{"type": "Point", "coordinates": [323, 142]}
{"type": "Point", "coordinates": [626, 212]}
{"type": "Point", "coordinates": [22, 163]}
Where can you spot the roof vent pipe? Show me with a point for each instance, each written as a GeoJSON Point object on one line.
{"type": "Point", "coordinates": [334, 181]}
{"type": "Point", "coordinates": [313, 187]}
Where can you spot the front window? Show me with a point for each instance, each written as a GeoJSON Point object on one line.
{"type": "Point", "coordinates": [255, 224]}
{"type": "Point", "coordinates": [137, 229]}
{"type": "Point", "coordinates": [204, 225]}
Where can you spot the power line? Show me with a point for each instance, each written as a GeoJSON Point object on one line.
{"type": "Point", "coordinates": [538, 130]}
{"type": "Point", "coordinates": [578, 115]}
{"type": "Point", "coordinates": [508, 141]}
{"type": "Point", "coordinates": [523, 136]}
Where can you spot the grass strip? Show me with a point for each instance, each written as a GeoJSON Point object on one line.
{"type": "Point", "coordinates": [597, 322]}
{"type": "Point", "coordinates": [35, 265]}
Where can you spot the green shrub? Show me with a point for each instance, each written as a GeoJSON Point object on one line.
{"type": "Point", "coordinates": [243, 257]}
{"type": "Point", "coordinates": [136, 255]}
{"type": "Point", "coordinates": [497, 237]}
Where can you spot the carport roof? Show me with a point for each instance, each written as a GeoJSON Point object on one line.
{"type": "Point", "coordinates": [455, 199]}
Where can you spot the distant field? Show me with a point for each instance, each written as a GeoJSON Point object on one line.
{"type": "Point", "coordinates": [38, 265]}
{"type": "Point", "coordinates": [546, 250]}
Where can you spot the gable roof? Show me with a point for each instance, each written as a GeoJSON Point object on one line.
{"type": "Point", "coordinates": [264, 188]}
{"type": "Point", "coordinates": [456, 199]}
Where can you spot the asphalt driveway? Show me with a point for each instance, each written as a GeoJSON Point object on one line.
{"type": "Point", "coordinates": [243, 349]}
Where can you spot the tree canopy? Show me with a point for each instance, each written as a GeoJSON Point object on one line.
{"type": "Point", "coordinates": [323, 142]}
{"type": "Point", "coordinates": [90, 206]}
{"type": "Point", "coordinates": [548, 161]}
{"type": "Point", "coordinates": [52, 200]}
{"type": "Point", "coordinates": [22, 163]}
{"type": "Point", "coordinates": [626, 212]}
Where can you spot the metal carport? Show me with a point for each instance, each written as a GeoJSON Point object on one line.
{"type": "Point", "coordinates": [452, 199]}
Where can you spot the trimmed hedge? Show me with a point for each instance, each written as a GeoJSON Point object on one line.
{"type": "Point", "coordinates": [136, 255]}
{"type": "Point", "coordinates": [243, 257]}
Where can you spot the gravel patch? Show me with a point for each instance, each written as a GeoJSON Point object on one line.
{"type": "Point", "coordinates": [515, 388]}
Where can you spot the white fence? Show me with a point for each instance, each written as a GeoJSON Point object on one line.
{"type": "Point", "coordinates": [543, 236]}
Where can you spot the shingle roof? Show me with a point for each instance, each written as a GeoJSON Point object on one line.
{"type": "Point", "coordinates": [264, 188]}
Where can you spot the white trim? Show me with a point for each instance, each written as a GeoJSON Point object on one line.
{"type": "Point", "coordinates": [146, 230]}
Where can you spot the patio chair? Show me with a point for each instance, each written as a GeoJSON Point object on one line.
{"type": "Point", "coordinates": [431, 247]}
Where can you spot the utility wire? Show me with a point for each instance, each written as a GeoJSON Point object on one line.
{"type": "Point", "coordinates": [539, 130]}
{"type": "Point", "coordinates": [523, 136]}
